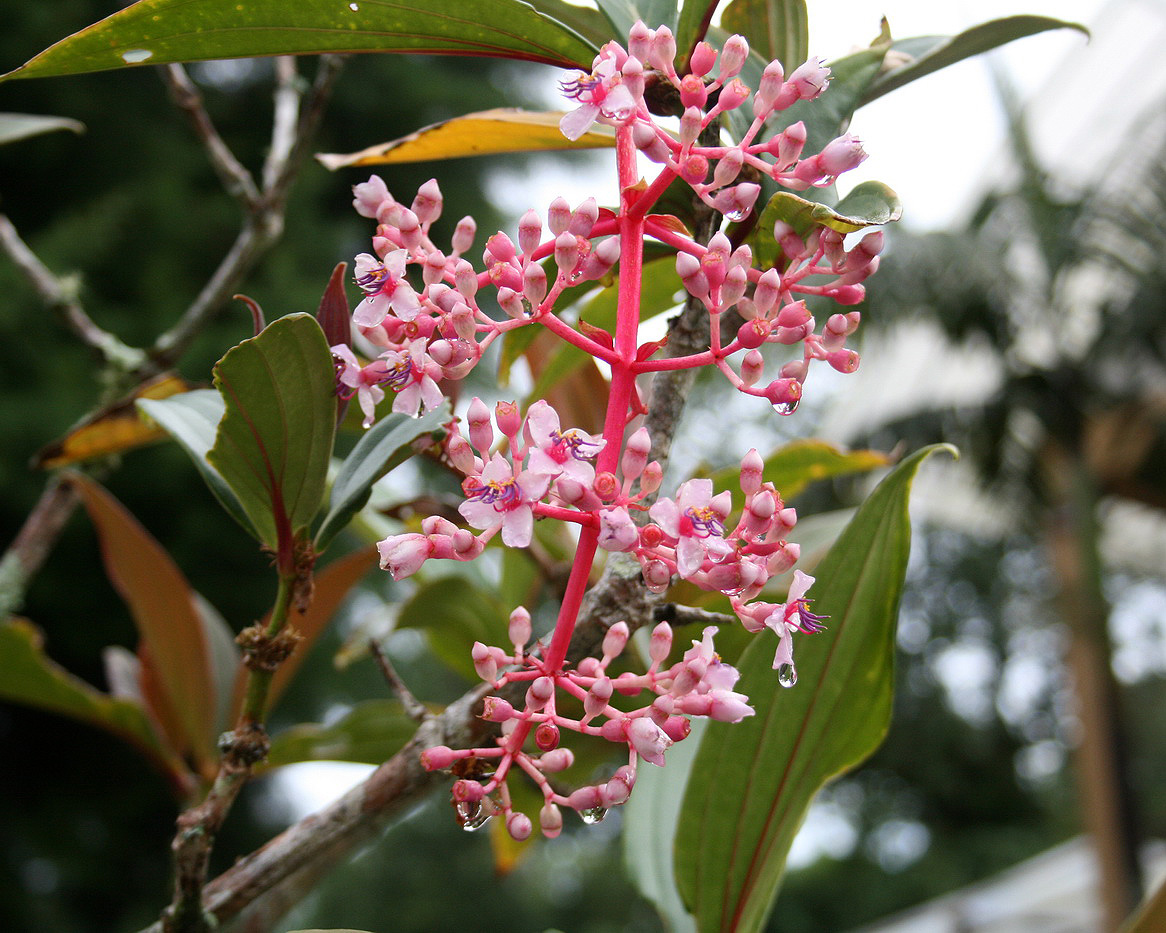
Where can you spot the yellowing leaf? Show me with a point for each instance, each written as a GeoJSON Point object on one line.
{"type": "Point", "coordinates": [487, 132]}
{"type": "Point", "coordinates": [116, 428]}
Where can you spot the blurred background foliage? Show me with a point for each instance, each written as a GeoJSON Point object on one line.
{"type": "Point", "coordinates": [974, 775]}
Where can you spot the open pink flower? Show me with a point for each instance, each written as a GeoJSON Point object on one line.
{"type": "Point", "coordinates": [413, 376]}
{"type": "Point", "coordinates": [784, 618]}
{"type": "Point", "coordinates": [601, 94]}
{"type": "Point", "coordinates": [385, 289]}
{"type": "Point", "coordinates": [362, 381]}
{"type": "Point", "coordinates": [498, 497]}
{"type": "Point", "coordinates": [696, 521]}
{"type": "Point", "coordinates": [556, 452]}
{"type": "Point", "coordinates": [648, 739]}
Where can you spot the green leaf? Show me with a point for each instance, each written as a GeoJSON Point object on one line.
{"type": "Point", "coordinates": [487, 132]}
{"type": "Point", "coordinates": [385, 445]}
{"type": "Point", "coordinates": [869, 204]}
{"type": "Point", "coordinates": [752, 782]}
{"type": "Point", "coordinates": [649, 829]}
{"type": "Point", "coordinates": [931, 53]}
{"type": "Point", "coordinates": [192, 419]}
{"type": "Point", "coordinates": [370, 733]}
{"type": "Point", "coordinates": [455, 612]}
{"type": "Point", "coordinates": [155, 32]}
{"type": "Point", "coordinates": [692, 24]}
{"type": "Point", "coordinates": [776, 29]}
{"type": "Point", "coordinates": [793, 467]}
{"type": "Point", "coordinates": [225, 661]}
{"type": "Point", "coordinates": [622, 14]}
{"type": "Point", "coordinates": [588, 23]}
{"type": "Point", "coordinates": [33, 679]}
{"type": "Point", "coordinates": [275, 440]}
{"type": "Point", "coordinates": [165, 611]}
{"type": "Point", "coordinates": [14, 126]}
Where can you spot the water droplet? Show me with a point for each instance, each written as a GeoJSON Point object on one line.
{"type": "Point", "coordinates": [786, 408]}
{"type": "Point", "coordinates": [136, 56]}
{"type": "Point", "coordinates": [735, 217]}
{"type": "Point", "coordinates": [592, 815]}
{"type": "Point", "coordinates": [472, 815]}
{"type": "Point", "coordinates": [787, 675]}
{"type": "Point", "coordinates": [355, 7]}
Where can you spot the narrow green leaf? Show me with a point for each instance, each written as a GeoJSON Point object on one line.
{"type": "Point", "coordinates": [275, 440]}
{"type": "Point", "coordinates": [752, 782]}
{"type": "Point", "coordinates": [794, 466]}
{"type": "Point", "coordinates": [225, 662]}
{"type": "Point", "coordinates": [692, 24]}
{"type": "Point", "coordinates": [192, 419]}
{"type": "Point", "coordinates": [586, 22]}
{"type": "Point", "coordinates": [869, 204]}
{"type": "Point", "coordinates": [33, 679]}
{"type": "Point", "coordinates": [14, 126]}
{"type": "Point", "coordinates": [382, 447]}
{"type": "Point", "coordinates": [777, 29]}
{"type": "Point", "coordinates": [931, 53]}
{"type": "Point", "coordinates": [622, 14]}
{"type": "Point", "coordinates": [487, 132]}
{"type": "Point", "coordinates": [370, 733]}
{"type": "Point", "coordinates": [164, 609]}
{"type": "Point", "coordinates": [155, 32]}
{"type": "Point", "coordinates": [649, 829]}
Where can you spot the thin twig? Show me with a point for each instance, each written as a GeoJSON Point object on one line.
{"type": "Point", "coordinates": [234, 176]}
{"type": "Point", "coordinates": [60, 295]}
{"type": "Point", "coordinates": [414, 708]}
{"type": "Point", "coordinates": [32, 544]}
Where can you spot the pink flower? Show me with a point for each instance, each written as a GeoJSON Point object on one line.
{"type": "Point", "coordinates": [498, 497]}
{"type": "Point", "coordinates": [385, 289]}
{"type": "Point", "coordinates": [411, 373]}
{"type": "Point", "coordinates": [403, 555]}
{"type": "Point", "coordinates": [601, 94]}
{"type": "Point", "coordinates": [557, 452]}
{"type": "Point", "coordinates": [784, 618]}
{"type": "Point", "coordinates": [362, 381]}
{"type": "Point", "coordinates": [648, 739]}
{"type": "Point", "coordinates": [617, 531]}
{"type": "Point", "coordinates": [696, 521]}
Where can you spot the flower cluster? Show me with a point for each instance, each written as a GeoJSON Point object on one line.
{"type": "Point", "coordinates": [428, 316]}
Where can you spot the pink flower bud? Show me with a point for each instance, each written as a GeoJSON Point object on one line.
{"type": "Point", "coordinates": [694, 169]}
{"type": "Point", "coordinates": [519, 629]}
{"type": "Point", "coordinates": [585, 798]}
{"type": "Point", "coordinates": [530, 231]}
{"type": "Point", "coordinates": [550, 820]}
{"type": "Point", "coordinates": [601, 259]}
{"type": "Point", "coordinates": [733, 95]}
{"type": "Point", "coordinates": [615, 641]}
{"type": "Point", "coordinates": [648, 740]}
{"type": "Point", "coordinates": [690, 270]}
{"type": "Point", "coordinates": [752, 367]}
{"type": "Point", "coordinates": [784, 395]}
{"type": "Point", "coordinates": [703, 57]}
{"type": "Point", "coordinates": [783, 558]}
{"type": "Point", "coordinates": [546, 736]}
{"type": "Point", "coordinates": [752, 466]}
{"type": "Point", "coordinates": [496, 709]}
{"type": "Point", "coordinates": [606, 486]}
{"type": "Point", "coordinates": [635, 453]}
{"type": "Point", "coordinates": [728, 168]}
{"type": "Point", "coordinates": [519, 826]}
{"type": "Point", "coordinates": [501, 247]}
{"type": "Point", "coordinates": [845, 361]}
{"type": "Point", "coordinates": [663, 54]}
{"type": "Point", "coordinates": [484, 663]}
{"type": "Point", "coordinates": [733, 57]}
{"type": "Point", "coordinates": [467, 791]}
{"type": "Point", "coordinates": [771, 81]}
{"type": "Point", "coordinates": [729, 707]}
{"type": "Point", "coordinates": [794, 314]}
{"type": "Point", "coordinates": [463, 235]}
{"type": "Point", "coordinates": [589, 667]}
{"type": "Point", "coordinates": [660, 644]}
{"type": "Point", "coordinates": [556, 760]}
{"type": "Point", "coordinates": [848, 294]}
{"type": "Point", "coordinates": [511, 302]}
{"type": "Point", "coordinates": [368, 196]}
{"type": "Point", "coordinates": [736, 202]}
{"type": "Point", "coordinates": [640, 41]}
{"type": "Point", "coordinates": [651, 478]}
{"type": "Point", "coordinates": [841, 155]}
{"type": "Point", "coordinates": [566, 253]}
{"type": "Point", "coordinates": [427, 203]}
{"type": "Point", "coordinates": [645, 139]}
{"type": "Point", "coordinates": [691, 123]}
{"type": "Point", "coordinates": [676, 729]}
{"type": "Point", "coordinates": [410, 228]}
{"type": "Point", "coordinates": [733, 288]}
{"type": "Point", "coordinates": [584, 217]}
{"type": "Point", "coordinates": [481, 428]}
{"type": "Point", "coordinates": [627, 684]}
{"type": "Point", "coordinates": [632, 72]}
{"type": "Point", "coordinates": [540, 691]}
{"type": "Point", "coordinates": [534, 284]}
{"type": "Point", "coordinates": [438, 758]}
{"type": "Point", "coordinates": [693, 93]}
{"type": "Point", "coordinates": [786, 147]}
{"type": "Point", "coordinates": [460, 454]}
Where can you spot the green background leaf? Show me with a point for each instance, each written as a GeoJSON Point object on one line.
{"type": "Point", "coordinates": [382, 447]}
{"type": "Point", "coordinates": [274, 443]}
{"type": "Point", "coordinates": [753, 781]}
{"type": "Point", "coordinates": [14, 126]}
{"type": "Point", "coordinates": [792, 467]}
{"type": "Point", "coordinates": [370, 733]}
{"type": "Point", "coordinates": [155, 32]}
{"type": "Point", "coordinates": [776, 29]}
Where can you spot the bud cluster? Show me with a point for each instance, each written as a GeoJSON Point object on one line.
{"type": "Point", "coordinates": [428, 316]}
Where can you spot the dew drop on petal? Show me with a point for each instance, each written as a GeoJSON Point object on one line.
{"type": "Point", "coordinates": [786, 408]}
{"type": "Point", "coordinates": [592, 815]}
{"type": "Point", "coordinates": [472, 815]}
{"type": "Point", "coordinates": [136, 56]}
{"type": "Point", "coordinates": [787, 675]}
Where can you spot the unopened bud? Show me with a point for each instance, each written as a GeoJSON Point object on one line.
{"type": "Point", "coordinates": [463, 235]}
{"type": "Point", "coordinates": [427, 203]}
{"type": "Point", "coordinates": [519, 826]}
{"type": "Point", "coordinates": [519, 628]}
{"type": "Point", "coordinates": [703, 57]}
{"type": "Point", "coordinates": [635, 453]}
{"type": "Point", "coordinates": [484, 663]}
{"type": "Point", "coordinates": [733, 57]}
{"type": "Point", "coordinates": [550, 820]}
{"type": "Point", "coordinates": [751, 469]}
{"type": "Point", "coordinates": [660, 644]}
{"type": "Point", "coordinates": [438, 758]}
{"type": "Point", "coordinates": [845, 361]}
{"type": "Point", "coordinates": [615, 641]}
{"type": "Point", "coordinates": [584, 217]}
{"type": "Point", "coordinates": [496, 709]}
{"type": "Point", "coordinates": [733, 95]}
{"type": "Point", "coordinates": [693, 93]}
{"type": "Point", "coordinates": [556, 760]}
{"type": "Point", "coordinates": [546, 736]}
{"type": "Point", "coordinates": [752, 367]}
{"type": "Point", "coordinates": [651, 478]}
